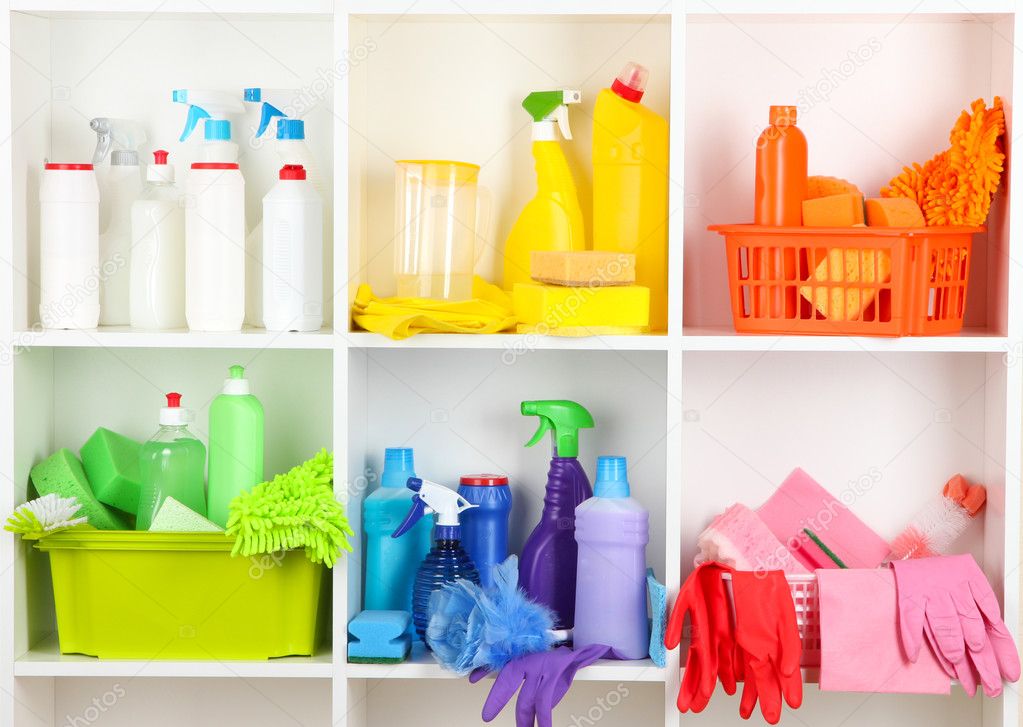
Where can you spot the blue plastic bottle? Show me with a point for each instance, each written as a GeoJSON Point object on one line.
{"type": "Point", "coordinates": [485, 528]}
{"type": "Point", "coordinates": [391, 563]}
{"type": "Point", "coordinates": [447, 561]}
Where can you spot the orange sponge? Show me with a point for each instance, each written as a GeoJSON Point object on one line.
{"type": "Point", "coordinates": [894, 212]}
{"type": "Point", "coordinates": [835, 210]}
{"type": "Point", "coordinates": [826, 186]}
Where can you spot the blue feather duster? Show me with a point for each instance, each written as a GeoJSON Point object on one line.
{"type": "Point", "coordinates": [470, 627]}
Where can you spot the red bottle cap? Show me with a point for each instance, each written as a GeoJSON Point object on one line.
{"type": "Point", "coordinates": [484, 480]}
{"type": "Point", "coordinates": [292, 171]}
{"type": "Point", "coordinates": [214, 165]}
{"type": "Point", "coordinates": [173, 400]}
{"type": "Point", "coordinates": [160, 156]}
{"type": "Point", "coordinates": [631, 82]}
{"type": "Point", "coordinates": [70, 167]}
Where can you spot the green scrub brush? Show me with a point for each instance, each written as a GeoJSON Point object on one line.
{"type": "Point", "coordinates": [44, 515]}
{"type": "Point", "coordinates": [294, 510]}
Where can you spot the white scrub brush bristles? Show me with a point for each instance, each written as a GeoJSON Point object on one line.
{"type": "Point", "coordinates": [44, 515]}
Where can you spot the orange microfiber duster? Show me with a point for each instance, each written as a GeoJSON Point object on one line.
{"type": "Point", "coordinates": [956, 186]}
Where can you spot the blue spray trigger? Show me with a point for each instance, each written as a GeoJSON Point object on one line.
{"type": "Point", "coordinates": [415, 513]}
{"type": "Point", "coordinates": [268, 112]}
{"type": "Point", "coordinates": [195, 114]}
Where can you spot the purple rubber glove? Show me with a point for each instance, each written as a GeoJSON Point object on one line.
{"type": "Point", "coordinates": [948, 601]}
{"type": "Point", "coordinates": [544, 677]}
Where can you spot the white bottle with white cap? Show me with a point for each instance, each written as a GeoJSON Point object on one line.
{"type": "Point", "coordinates": [157, 290]}
{"type": "Point", "coordinates": [69, 246]}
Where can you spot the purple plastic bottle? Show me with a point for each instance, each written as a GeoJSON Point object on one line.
{"type": "Point", "coordinates": [612, 530]}
{"type": "Point", "coordinates": [547, 566]}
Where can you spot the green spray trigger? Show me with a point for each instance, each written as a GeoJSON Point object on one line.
{"type": "Point", "coordinates": [551, 106]}
{"type": "Point", "coordinates": [561, 417]}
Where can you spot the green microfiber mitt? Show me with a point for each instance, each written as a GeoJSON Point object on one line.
{"type": "Point", "coordinates": [294, 510]}
{"type": "Point", "coordinates": [173, 517]}
{"type": "Point", "coordinates": [44, 515]}
{"type": "Point", "coordinates": [61, 474]}
{"type": "Point", "coordinates": [111, 462]}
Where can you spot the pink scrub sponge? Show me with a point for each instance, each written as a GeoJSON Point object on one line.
{"type": "Point", "coordinates": [739, 538]}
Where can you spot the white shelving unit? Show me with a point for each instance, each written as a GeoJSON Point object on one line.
{"type": "Point", "coordinates": [706, 417]}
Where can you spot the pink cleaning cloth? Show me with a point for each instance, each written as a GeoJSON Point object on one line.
{"type": "Point", "coordinates": [860, 649]}
{"type": "Point", "coordinates": [737, 537]}
{"type": "Point", "coordinates": [799, 502]}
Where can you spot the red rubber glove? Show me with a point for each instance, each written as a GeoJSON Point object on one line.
{"type": "Point", "coordinates": [768, 643]}
{"type": "Point", "coordinates": [712, 637]}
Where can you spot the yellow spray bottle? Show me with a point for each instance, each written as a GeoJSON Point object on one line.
{"type": "Point", "coordinates": [552, 220]}
{"type": "Point", "coordinates": [630, 184]}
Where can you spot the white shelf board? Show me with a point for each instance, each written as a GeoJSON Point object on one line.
{"type": "Point", "coordinates": [470, 8]}
{"type": "Point", "coordinates": [421, 665]}
{"type": "Point", "coordinates": [126, 337]}
{"type": "Point", "coordinates": [726, 339]}
{"type": "Point", "coordinates": [513, 342]}
{"type": "Point", "coordinates": [45, 660]}
{"type": "Point", "coordinates": [907, 9]}
{"type": "Point", "coordinates": [197, 8]}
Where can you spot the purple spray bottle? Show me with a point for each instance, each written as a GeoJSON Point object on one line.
{"type": "Point", "coordinates": [547, 566]}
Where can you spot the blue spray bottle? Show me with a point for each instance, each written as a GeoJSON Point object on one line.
{"type": "Point", "coordinates": [391, 563]}
{"type": "Point", "coordinates": [447, 561]}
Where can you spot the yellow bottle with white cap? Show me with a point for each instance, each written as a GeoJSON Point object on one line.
{"type": "Point", "coordinates": [552, 220]}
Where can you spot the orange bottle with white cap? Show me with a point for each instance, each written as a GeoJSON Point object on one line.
{"type": "Point", "coordinates": [781, 171]}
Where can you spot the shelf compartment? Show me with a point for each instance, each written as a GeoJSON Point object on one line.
{"type": "Point", "coordinates": [848, 76]}
{"type": "Point", "coordinates": [411, 62]}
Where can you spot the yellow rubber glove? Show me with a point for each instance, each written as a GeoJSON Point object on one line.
{"type": "Point", "coordinates": [489, 311]}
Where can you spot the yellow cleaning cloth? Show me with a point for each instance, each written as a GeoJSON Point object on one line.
{"type": "Point", "coordinates": [490, 311]}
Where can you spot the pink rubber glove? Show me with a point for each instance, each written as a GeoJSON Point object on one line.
{"type": "Point", "coordinates": [948, 601]}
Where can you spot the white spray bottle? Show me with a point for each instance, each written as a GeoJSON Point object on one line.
{"type": "Point", "coordinates": [120, 185]}
{"type": "Point", "coordinates": [212, 107]}
{"type": "Point", "coordinates": [277, 116]}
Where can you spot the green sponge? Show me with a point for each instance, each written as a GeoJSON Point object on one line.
{"type": "Point", "coordinates": [111, 463]}
{"type": "Point", "coordinates": [173, 517]}
{"type": "Point", "coordinates": [62, 474]}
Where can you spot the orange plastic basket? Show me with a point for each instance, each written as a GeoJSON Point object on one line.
{"type": "Point", "coordinates": [861, 281]}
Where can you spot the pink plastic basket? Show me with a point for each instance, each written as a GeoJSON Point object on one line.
{"type": "Point", "coordinates": [808, 615]}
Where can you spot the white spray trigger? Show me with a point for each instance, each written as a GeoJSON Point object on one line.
{"type": "Point", "coordinates": [561, 113]}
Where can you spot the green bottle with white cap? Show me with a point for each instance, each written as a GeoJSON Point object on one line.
{"type": "Point", "coordinates": [236, 445]}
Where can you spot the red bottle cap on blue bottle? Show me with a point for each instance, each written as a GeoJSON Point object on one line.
{"type": "Point", "coordinates": [483, 480]}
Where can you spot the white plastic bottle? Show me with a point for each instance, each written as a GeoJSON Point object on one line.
{"type": "Point", "coordinates": [217, 145]}
{"type": "Point", "coordinates": [215, 247]}
{"type": "Point", "coordinates": [157, 293]}
{"type": "Point", "coordinates": [124, 184]}
{"type": "Point", "coordinates": [292, 254]}
{"type": "Point", "coordinates": [69, 246]}
{"type": "Point", "coordinates": [291, 148]}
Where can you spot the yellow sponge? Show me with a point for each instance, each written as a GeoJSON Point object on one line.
{"type": "Point", "coordinates": [835, 210]}
{"type": "Point", "coordinates": [556, 306]}
{"type": "Point", "coordinates": [847, 266]}
{"type": "Point", "coordinates": [583, 268]}
{"type": "Point", "coordinates": [894, 212]}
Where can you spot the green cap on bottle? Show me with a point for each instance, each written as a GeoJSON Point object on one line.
{"type": "Point", "coordinates": [563, 419]}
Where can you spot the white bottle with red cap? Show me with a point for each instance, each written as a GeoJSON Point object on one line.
{"type": "Point", "coordinates": [157, 285]}
{"type": "Point", "coordinates": [69, 274]}
{"type": "Point", "coordinates": [292, 253]}
{"type": "Point", "coordinates": [215, 247]}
